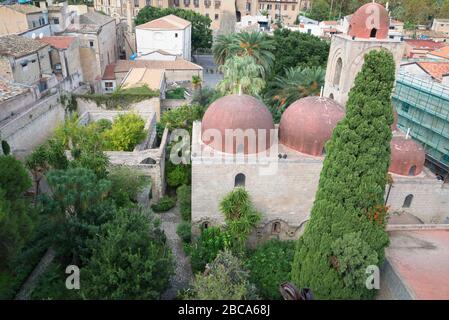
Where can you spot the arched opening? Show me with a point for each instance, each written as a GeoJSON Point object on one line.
{"type": "Point", "coordinates": [331, 96]}
{"type": "Point", "coordinates": [239, 180]}
{"type": "Point", "coordinates": [238, 15]}
{"type": "Point", "coordinates": [337, 74]}
{"type": "Point", "coordinates": [373, 33]}
{"type": "Point", "coordinates": [276, 227]}
{"type": "Point", "coordinates": [205, 225]}
{"type": "Point", "coordinates": [408, 201]}
{"type": "Point", "coordinates": [412, 171]}
{"type": "Point", "coordinates": [148, 161]}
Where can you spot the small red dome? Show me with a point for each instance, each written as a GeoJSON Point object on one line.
{"type": "Point", "coordinates": [407, 156]}
{"type": "Point", "coordinates": [234, 112]}
{"type": "Point", "coordinates": [370, 21]}
{"type": "Point", "coordinates": [307, 124]}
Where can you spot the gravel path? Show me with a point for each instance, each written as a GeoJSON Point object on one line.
{"type": "Point", "coordinates": [183, 272]}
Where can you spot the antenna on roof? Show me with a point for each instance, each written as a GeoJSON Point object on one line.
{"type": "Point", "coordinates": [407, 136]}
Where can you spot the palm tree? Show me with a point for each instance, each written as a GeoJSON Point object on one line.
{"type": "Point", "coordinates": [296, 83]}
{"type": "Point", "coordinates": [224, 47]}
{"type": "Point", "coordinates": [254, 44]}
{"type": "Point", "coordinates": [241, 75]}
{"type": "Point", "coordinates": [257, 45]}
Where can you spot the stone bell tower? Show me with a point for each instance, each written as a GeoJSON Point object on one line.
{"type": "Point", "coordinates": [368, 30]}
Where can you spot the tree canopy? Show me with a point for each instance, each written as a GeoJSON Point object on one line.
{"type": "Point", "coordinates": [343, 236]}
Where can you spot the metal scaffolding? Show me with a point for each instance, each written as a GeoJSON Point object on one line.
{"type": "Point", "coordinates": [423, 106]}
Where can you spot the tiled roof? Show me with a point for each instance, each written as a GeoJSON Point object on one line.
{"type": "Point", "coordinates": [330, 23]}
{"type": "Point", "coordinates": [9, 90]}
{"type": "Point", "coordinates": [424, 44]}
{"type": "Point", "coordinates": [170, 22]}
{"type": "Point", "coordinates": [138, 77]}
{"type": "Point", "coordinates": [109, 73]}
{"type": "Point", "coordinates": [58, 42]}
{"type": "Point", "coordinates": [435, 69]}
{"type": "Point", "coordinates": [179, 64]}
{"type": "Point", "coordinates": [24, 8]}
{"type": "Point", "coordinates": [18, 46]}
{"type": "Point", "coordinates": [90, 22]}
{"type": "Point", "coordinates": [441, 52]}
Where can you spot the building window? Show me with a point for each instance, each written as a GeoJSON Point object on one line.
{"type": "Point", "coordinates": [91, 43]}
{"type": "Point", "coordinates": [207, 3]}
{"type": "Point", "coordinates": [34, 24]}
{"type": "Point", "coordinates": [248, 6]}
{"type": "Point", "coordinates": [412, 171]}
{"type": "Point", "coordinates": [176, 35]}
{"type": "Point", "coordinates": [55, 20]}
{"type": "Point", "coordinates": [276, 227]}
{"type": "Point", "coordinates": [207, 15]}
{"type": "Point", "coordinates": [408, 201]}
{"type": "Point", "coordinates": [269, 6]}
{"type": "Point", "coordinates": [187, 3]}
{"type": "Point", "coordinates": [293, 7]}
{"type": "Point", "coordinates": [216, 16]}
{"type": "Point", "coordinates": [239, 180]}
{"type": "Point", "coordinates": [149, 3]}
{"type": "Point", "coordinates": [196, 3]}
{"type": "Point", "coordinates": [285, 7]}
{"type": "Point", "coordinates": [373, 33]}
{"type": "Point", "coordinates": [337, 74]}
{"type": "Point", "coordinates": [405, 107]}
{"type": "Point", "coordinates": [136, 3]}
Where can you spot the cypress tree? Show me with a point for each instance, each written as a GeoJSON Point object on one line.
{"type": "Point", "coordinates": [346, 232]}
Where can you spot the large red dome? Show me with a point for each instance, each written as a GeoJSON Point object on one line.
{"type": "Point", "coordinates": [370, 21]}
{"type": "Point", "coordinates": [407, 156]}
{"type": "Point", "coordinates": [307, 124]}
{"type": "Point", "coordinates": [235, 112]}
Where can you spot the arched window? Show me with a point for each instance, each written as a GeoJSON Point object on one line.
{"type": "Point", "coordinates": [412, 171]}
{"type": "Point", "coordinates": [204, 225]}
{"type": "Point", "coordinates": [337, 74]}
{"type": "Point", "coordinates": [239, 180]}
{"type": "Point", "coordinates": [331, 96]}
{"type": "Point", "coordinates": [373, 33]}
{"type": "Point", "coordinates": [276, 228]}
{"type": "Point", "coordinates": [408, 201]}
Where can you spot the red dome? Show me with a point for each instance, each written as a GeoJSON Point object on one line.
{"type": "Point", "coordinates": [407, 156]}
{"type": "Point", "coordinates": [370, 21]}
{"type": "Point", "coordinates": [238, 112]}
{"type": "Point", "coordinates": [308, 123]}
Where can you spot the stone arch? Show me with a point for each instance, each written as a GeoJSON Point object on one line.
{"type": "Point", "coordinates": [373, 33]}
{"type": "Point", "coordinates": [337, 72]}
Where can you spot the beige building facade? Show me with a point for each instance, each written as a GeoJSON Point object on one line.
{"type": "Point", "coordinates": [19, 18]}
{"type": "Point", "coordinates": [98, 44]}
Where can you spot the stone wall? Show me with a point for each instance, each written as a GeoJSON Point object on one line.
{"type": "Point", "coordinates": [13, 106]}
{"type": "Point", "coordinates": [33, 126]}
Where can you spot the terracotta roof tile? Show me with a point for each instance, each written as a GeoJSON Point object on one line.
{"type": "Point", "coordinates": [435, 69]}
{"type": "Point", "coordinates": [58, 42]}
{"type": "Point", "coordinates": [441, 52]}
{"type": "Point", "coordinates": [424, 44]}
{"type": "Point", "coordinates": [18, 46]}
{"type": "Point", "coordinates": [24, 8]}
{"type": "Point", "coordinates": [9, 90]}
{"type": "Point", "coordinates": [170, 22]}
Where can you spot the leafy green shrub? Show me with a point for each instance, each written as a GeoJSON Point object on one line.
{"type": "Point", "coordinates": [240, 216]}
{"type": "Point", "coordinates": [164, 204]}
{"type": "Point", "coordinates": [14, 178]}
{"type": "Point", "coordinates": [273, 255]}
{"type": "Point", "coordinates": [184, 194]}
{"type": "Point", "coordinates": [184, 231]}
{"type": "Point", "coordinates": [178, 175]}
{"type": "Point", "coordinates": [5, 147]}
{"type": "Point", "coordinates": [177, 93]}
{"type": "Point", "coordinates": [182, 117]}
{"type": "Point", "coordinates": [130, 259]}
{"type": "Point", "coordinates": [226, 280]}
{"type": "Point", "coordinates": [104, 124]}
{"type": "Point", "coordinates": [126, 184]}
{"type": "Point", "coordinates": [126, 132]}
{"type": "Point", "coordinates": [211, 241]}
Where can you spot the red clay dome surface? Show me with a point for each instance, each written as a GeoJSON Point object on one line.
{"type": "Point", "coordinates": [370, 21]}
{"type": "Point", "coordinates": [307, 124]}
{"type": "Point", "coordinates": [407, 156]}
{"type": "Point", "coordinates": [238, 112]}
